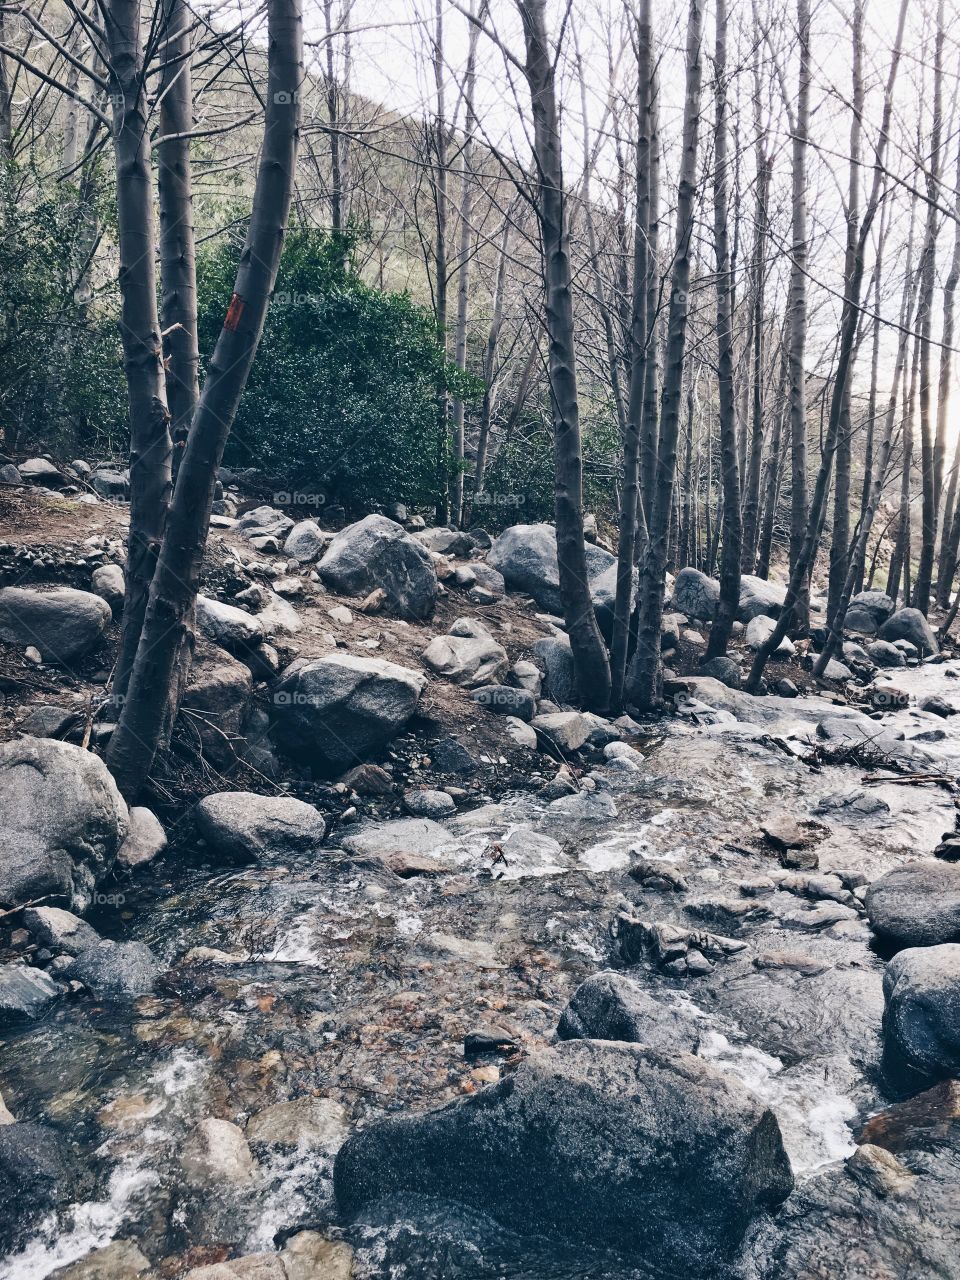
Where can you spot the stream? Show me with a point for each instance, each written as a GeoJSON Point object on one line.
{"type": "Point", "coordinates": [355, 988]}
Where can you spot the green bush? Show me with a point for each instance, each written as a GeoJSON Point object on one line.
{"type": "Point", "coordinates": [342, 398]}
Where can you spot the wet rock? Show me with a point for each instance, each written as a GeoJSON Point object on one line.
{"type": "Point", "coordinates": [227, 626]}
{"type": "Point", "coordinates": [468, 655]}
{"type": "Point", "coordinates": [918, 904]}
{"type": "Point", "coordinates": [921, 1021]}
{"type": "Point", "coordinates": [852, 806]}
{"type": "Point", "coordinates": [924, 1122]}
{"type": "Point", "coordinates": [696, 595]}
{"type": "Point", "coordinates": [662, 876]}
{"type": "Point", "coordinates": [910, 625]}
{"type": "Point", "coordinates": [37, 1175]}
{"type": "Point", "coordinates": [486, 1039]}
{"type": "Point", "coordinates": [504, 700]}
{"type": "Point", "coordinates": [241, 826]}
{"type": "Point", "coordinates": [120, 1260]}
{"type": "Point", "coordinates": [116, 970]}
{"type": "Point", "coordinates": [63, 624]}
{"type": "Point", "coordinates": [794, 841]}
{"type": "Point", "coordinates": [25, 994]}
{"type": "Point", "coordinates": [312, 1124]}
{"type": "Point", "coordinates": [611, 1006]}
{"type": "Point", "coordinates": [759, 596]}
{"type": "Point", "coordinates": [63, 822]}
{"type": "Point", "coordinates": [60, 931]}
{"type": "Point", "coordinates": [879, 1170]}
{"type": "Point", "coordinates": [429, 804]}
{"type": "Point", "coordinates": [938, 706]}
{"type": "Point", "coordinates": [216, 1152]}
{"type": "Point", "coordinates": [668, 944]}
{"type": "Point", "coordinates": [306, 541]}
{"type": "Point", "coordinates": [563, 731]}
{"type": "Point", "coordinates": [560, 680]}
{"type": "Point", "coordinates": [585, 806]}
{"type": "Point", "coordinates": [759, 631]}
{"type": "Point", "coordinates": [146, 839]}
{"type": "Point", "coordinates": [311, 1256]}
{"type": "Point", "coordinates": [654, 1154]}
{"type": "Point", "coordinates": [376, 552]}
{"type": "Point", "coordinates": [335, 710]}
{"type": "Point", "coordinates": [421, 837]}
{"type": "Point", "coordinates": [885, 654]}
{"type": "Point", "coordinates": [724, 669]}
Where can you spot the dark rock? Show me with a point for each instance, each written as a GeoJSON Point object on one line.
{"type": "Point", "coordinates": [938, 706]}
{"type": "Point", "coordinates": [25, 994]}
{"type": "Point", "coordinates": [912, 626]}
{"type": "Point", "coordinates": [876, 603]}
{"type": "Point", "coordinates": [885, 654]}
{"type": "Point", "coordinates": [333, 711]}
{"type": "Point", "coordinates": [724, 669]}
{"type": "Point", "coordinates": [611, 1006]}
{"type": "Point", "coordinates": [654, 1154]}
{"type": "Point", "coordinates": [918, 904]}
{"type": "Point", "coordinates": [482, 1040]}
{"type": "Point", "coordinates": [560, 679]}
{"type": "Point", "coordinates": [216, 701]}
{"type": "Point", "coordinates": [61, 623]}
{"type": "Point", "coordinates": [47, 721]}
{"type": "Point", "coordinates": [116, 970]}
{"type": "Point", "coordinates": [506, 701]}
{"type": "Point", "coordinates": [921, 1021]}
{"type": "Point", "coordinates": [450, 756]}
{"type": "Point", "coordinates": [111, 484]}
{"type": "Point", "coordinates": [63, 822]}
{"type": "Point", "coordinates": [37, 1175]}
{"type": "Point", "coordinates": [368, 780]}
{"type": "Point", "coordinates": [376, 552]}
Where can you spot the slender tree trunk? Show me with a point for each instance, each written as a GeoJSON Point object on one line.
{"type": "Point", "coordinates": [441, 282]}
{"type": "Point", "coordinates": [932, 451]}
{"type": "Point", "coordinates": [729, 601]}
{"type": "Point", "coordinates": [150, 446]}
{"type": "Point", "coordinates": [644, 684]}
{"type": "Point", "coordinates": [178, 273]}
{"type": "Point", "coordinates": [589, 654]}
{"type": "Point", "coordinates": [174, 589]}
{"type": "Point", "coordinates": [773, 476]}
{"type": "Point", "coordinates": [490, 363]}
{"type": "Point", "coordinates": [751, 499]}
{"type": "Point", "coordinates": [951, 536]}
{"type": "Point", "coordinates": [333, 119]}
{"type": "Point", "coordinates": [641, 332]}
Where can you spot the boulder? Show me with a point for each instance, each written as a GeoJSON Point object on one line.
{"type": "Point", "coordinates": [487, 578]}
{"type": "Point", "coordinates": [9, 475]}
{"type": "Point", "coordinates": [912, 626]}
{"type": "Point", "coordinates": [306, 541]}
{"type": "Point", "coordinates": [60, 930]}
{"type": "Point", "coordinates": [334, 711]}
{"type": "Point", "coordinates": [759, 631]}
{"type": "Point", "coordinates": [416, 837]}
{"type": "Point", "coordinates": [860, 621]}
{"type": "Point", "coordinates": [227, 626]}
{"type": "Point", "coordinates": [216, 1153]}
{"type": "Point", "coordinates": [759, 596]}
{"type": "Point", "coordinates": [520, 733]}
{"type": "Point", "coordinates": [696, 595]}
{"type": "Point", "coordinates": [241, 826]}
{"type": "Point", "coordinates": [146, 839]}
{"type": "Point", "coordinates": [921, 1020]}
{"type": "Point", "coordinates": [652, 1153]}
{"type": "Point", "coordinates": [724, 669]}
{"type": "Point", "coordinates": [215, 702]}
{"type": "Point", "coordinates": [376, 552]}
{"type": "Point", "coordinates": [63, 624]}
{"type": "Point", "coordinates": [918, 904]}
{"type": "Point", "coordinates": [108, 583]}
{"type": "Point", "coordinates": [116, 970]}
{"type": "Point", "coordinates": [504, 700]}
{"type": "Point", "coordinates": [40, 471]}
{"type": "Point", "coordinates": [468, 655]}
{"type": "Point", "coordinates": [611, 1006]}
{"type": "Point", "coordinates": [37, 1175]}
{"type": "Point", "coordinates": [526, 556]}
{"type": "Point", "coordinates": [885, 654]}
{"type": "Point", "coordinates": [111, 484]}
{"type": "Point", "coordinates": [429, 804]}
{"type": "Point", "coordinates": [63, 822]}
{"type": "Point", "coordinates": [563, 731]}
{"type": "Point", "coordinates": [877, 604]}
{"type": "Point", "coordinates": [312, 1124]}
{"type": "Point", "coordinates": [25, 994]}
{"type": "Point", "coordinates": [263, 522]}
{"type": "Point", "coordinates": [560, 680]}
{"type": "Point", "coordinates": [446, 542]}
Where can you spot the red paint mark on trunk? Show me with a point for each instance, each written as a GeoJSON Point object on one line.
{"type": "Point", "coordinates": [234, 313]}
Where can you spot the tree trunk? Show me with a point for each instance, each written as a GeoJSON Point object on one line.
{"type": "Point", "coordinates": [589, 654]}
{"type": "Point", "coordinates": [174, 589]}
{"type": "Point", "coordinates": [490, 365]}
{"type": "Point", "coordinates": [951, 536]}
{"type": "Point", "coordinates": [644, 682]}
{"type": "Point", "coordinates": [729, 601]}
{"type": "Point", "coordinates": [150, 447]}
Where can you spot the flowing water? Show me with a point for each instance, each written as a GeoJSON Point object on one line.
{"type": "Point", "coordinates": [355, 986]}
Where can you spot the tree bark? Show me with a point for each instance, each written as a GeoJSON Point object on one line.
{"type": "Point", "coordinates": [174, 588]}
{"type": "Point", "coordinates": [951, 536]}
{"type": "Point", "coordinates": [589, 654]}
{"type": "Point", "coordinates": [644, 682]}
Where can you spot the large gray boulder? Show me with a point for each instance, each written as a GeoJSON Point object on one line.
{"type": "Point", "coordinates": [885, 654]}
{"type": "Point", "coordinates": [227, 626]}
{"type": "Point", "coordinates": [306, 541]}
{"type": "Point", "coordinates": [759, 596]}
{"type": "Point", "coordinates": [654, 1154]}
{"type": "Point", "coordinates": [867, 612]}
{"type": "Point", "coordinates": [696, 595]}
{"type": "Point", "coordinates": [241, 826]}
{"type": "Point", "coordinates": [377, 552]}
{"type": "Point", "coordinates": [216, 701]}
{"type": "Point", "coordinates": [921, 1020]}
{"type": "Point", "coordinates": [40, 471]}
{"type": "Point", "coordinates": [263, 522]}
{"type": "Point", "coordinates": [611, 1006]}
{"type": "Point", "coordinates": [918, 904]}
{"type": "Point", "coordinates": [108, 582]}
{"type": "Point", "coordinates": [526, 555]}
{"type": "Point", "coordinates": [62, 623]}
{"type": "Point", "coordinates": [63, 822]}
{"type": "Point", "coordinates": [337, 710]}
{"type": "Point", "coordinates": [111, 484]}
{"type": "Point", "coordinates": [560, 675]}
{"type": "Point", "coordinates": [911, 625]}
{"type": "Point", "coordinates": [468, 655]}
{"type": "Point", "coordinates": [116, 970]}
